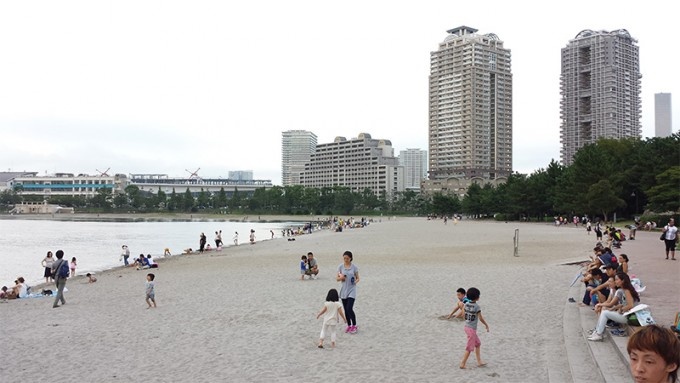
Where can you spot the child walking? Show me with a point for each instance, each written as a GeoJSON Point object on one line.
{"type": "Point", "coordinates": [150, 290]}
{"type": "Point", "coordinates": [330, 311]}
{"type": "Point", "coordinates": [473, 314]}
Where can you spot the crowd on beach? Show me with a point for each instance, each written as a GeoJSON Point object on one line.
{"type": "Point", "coordinates": [610, 290]}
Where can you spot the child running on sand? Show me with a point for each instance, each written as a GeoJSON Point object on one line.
{"type": "Point", "coordinates": [332, 308]}
{"type": "Point", "coordinates": [150, 290]}
{"type": "Point", "coordinates": [460, 304]}
{"type": "Point", "coordinates": [473, 314]}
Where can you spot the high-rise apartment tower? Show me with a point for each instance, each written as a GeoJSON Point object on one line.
{"type": "Point", "coordinates": [297, 146]}
{"type": "Point", "coordinates": [470, 124]}
{"type": "Point", "coordinates": [600, 90]}
{"type": "Point", "coordinates": [663, 126]}
{"type": "Point", "coordinates": [414, 162]}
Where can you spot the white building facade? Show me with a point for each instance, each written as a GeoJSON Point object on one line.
{"type": "Point", "coordinates": [470, 107]}
{"type": "Point", "coordinates": [297, 146]}
{"type": "Point", "coordinates": [358, 164]}
{"type": "Point", "coordinates": [414, 162]}
{"type": "Point", "coordinates": [600, 90]}
{"type": "Point", "coordinates": [663, 124]}
{"type": "Point", "coordinates": [68, 184]}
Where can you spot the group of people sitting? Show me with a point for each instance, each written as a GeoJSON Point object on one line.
{"type": "Point", "coordinates": [144, 262]}
{"type": "Point", "coordinates": [20, 290]}
{"type": "Point", "coordinates": [609, 289]}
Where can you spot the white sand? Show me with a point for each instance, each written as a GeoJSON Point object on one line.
{"type": "Point", "coordinates": [243, 315]}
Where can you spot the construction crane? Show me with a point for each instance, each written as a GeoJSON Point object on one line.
{"type": "Point", "coordinates": [193, 175]}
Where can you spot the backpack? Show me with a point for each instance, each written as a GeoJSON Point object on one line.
{"type": "Point", "coordinates": [64, 271]}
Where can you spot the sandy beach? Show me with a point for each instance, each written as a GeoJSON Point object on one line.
{"type": "Point", "coordinates": [243, 314]}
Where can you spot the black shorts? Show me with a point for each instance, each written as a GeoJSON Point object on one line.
{"type": "Point", "coordinates": [48, 272]}
{"type": "Point", "coordinates": [670, 244]}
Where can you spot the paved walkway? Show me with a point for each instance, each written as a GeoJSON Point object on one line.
{"type": "Point", "coordinates": [662, 279]}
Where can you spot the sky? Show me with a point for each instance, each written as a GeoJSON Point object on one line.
{"type": "Point", "coordinates": [174, 86]}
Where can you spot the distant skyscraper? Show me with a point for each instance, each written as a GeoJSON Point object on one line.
{"type": "Point", "coordinates": [414, 162]}
{"type": "Point", "coordinates": [241, 175]}
{"type": "Point", "coordinates": [470, 126]}
{"type": "Point", "coordinates": [296, 148]}
{"type": "Point", "coordinates": [600, 90]}
{"type": "Point", "coordinates": [358, 164]}
{"type": "Point", "coordinates": [663, 126]}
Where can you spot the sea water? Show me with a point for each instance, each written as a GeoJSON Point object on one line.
{"type": "Point", "coordinates": [97, 245]}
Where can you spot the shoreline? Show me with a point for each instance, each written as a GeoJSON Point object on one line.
{"type": "Point", "coordinates": [180, 217]}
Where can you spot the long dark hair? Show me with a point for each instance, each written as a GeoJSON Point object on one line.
{"type": "Point", "coordinates": [332, 296]}
{"type": "Point", "coordinates": [625, 279]}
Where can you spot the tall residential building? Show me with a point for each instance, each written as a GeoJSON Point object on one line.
{"type": "Point", "coordinates": [358, 163]}
{"type": "Point", "coordinates": [470, 117]}
{"type": "Point", "coordinates": [414, 162]}
{"type": "Point", "coordinates": [296, 148]}
{"type": "Point", "coordinates": [663, 126]}
{"type": "Point", "coordinates": [600, 90]}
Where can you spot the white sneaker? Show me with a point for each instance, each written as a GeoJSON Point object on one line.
{"type": "Point", "coordinates": [595, 337]}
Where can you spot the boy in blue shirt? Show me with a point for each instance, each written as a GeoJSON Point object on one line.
{"type": "Point", "coordinates": [460, 304]}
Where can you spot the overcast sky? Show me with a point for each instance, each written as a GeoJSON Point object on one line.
{"type": "Point", "coordinates": [165, 86]}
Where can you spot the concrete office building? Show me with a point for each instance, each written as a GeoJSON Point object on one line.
{"type": "Point", "coordinates": [414, 162]}
{"type": "Point", "coordinates": [241, 175]}
{"type": "Point", "coordinates": [600, 90]}
{"type": "Point", "coordinates": [68, 184]}
{"type": "Point", "coordinates": [663, 125]}
{"type": "Point", "coordinates": [470, 107]}
{"type": "Point", "coordinates": [357, 164]}
{"type": "Point", "coordinates": [297, 147]}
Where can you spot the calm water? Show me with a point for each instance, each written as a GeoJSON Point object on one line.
{"type": "Point", "coordinates": [97, 245]}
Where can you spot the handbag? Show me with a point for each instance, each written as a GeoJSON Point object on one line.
{"type": "Point", "coordinates": [663, 236]}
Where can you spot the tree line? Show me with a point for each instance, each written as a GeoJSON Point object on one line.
{"type": "Point", "coordinates": [626, 177]}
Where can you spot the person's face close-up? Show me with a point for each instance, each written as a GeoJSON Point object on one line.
{"type": "Point", "coordinates": [346, 258]}
{"type": "Point", "coordinates": [649, 367]}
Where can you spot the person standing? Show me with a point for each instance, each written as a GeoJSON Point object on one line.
{"type": "Point", "coordinates": [348, 274]}
{"type": "Point", "coordinates": [236, 238]}
{"type": "Point", "coordinates": [201, 243]}
{"type": "Point", "coordinates": [60, 280]}
{"type": "Point", "coordinates": [218, 239]}
{"type": "Point", "coordinates": [670, 238]}
{"type": "Point", "coordinates": [252, 236]}
{"type": "Point", "coordinates": [125, 255]}
{"type": "Point", "coordinates": [150, 290]}
{"type": "Point", "coordinates": [47, 264]}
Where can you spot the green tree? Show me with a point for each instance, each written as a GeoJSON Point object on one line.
{"type": "Point", "coordinates": [161, 199]}
{"type": "Point", "coordinates": [344, 200]}
{"type": "Point", "coordinates": [102, 199]}
{"type": "Point", "coordinates": [220, 200]}
{"type": "Point", "coordinates": [665, 196]}
{"type": "Point", "coordinates": [602, 198]}
{"type": "Point", "coordinates": [235, 200]}
{"type": "Point", "coordinates": [188, 201]}
{"type": "Point", "coordinates": [203, 200]}
{"type": "Point", "coordinates": [310, 200]}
